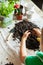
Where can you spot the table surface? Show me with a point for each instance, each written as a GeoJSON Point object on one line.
{"type": "Point", "coordinates": [7, 54]}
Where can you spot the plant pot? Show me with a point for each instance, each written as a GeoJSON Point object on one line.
{"type": "Point", "coordinates": [19, 17]}
{"type": "Point", "coordinates": [5, 21]}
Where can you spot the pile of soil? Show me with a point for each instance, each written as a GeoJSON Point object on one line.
{"type": "Point", "coordinates": [9, 63]}
{"type": "Point", "coordinates": [20, 28]}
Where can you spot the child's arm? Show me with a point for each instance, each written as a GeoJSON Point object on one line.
{"type": "Point", "coordinates": [23, 52]}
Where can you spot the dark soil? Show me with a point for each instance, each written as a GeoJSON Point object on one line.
{"type": "Point", "coordinates": [19, 30]}
{"type": "Point", "coordinates": [9, 63]}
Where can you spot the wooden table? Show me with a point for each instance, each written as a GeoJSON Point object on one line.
{"type": "Point", "coordinates": [6, 53]}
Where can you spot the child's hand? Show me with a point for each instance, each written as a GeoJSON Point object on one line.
{"type": "Point", "coordinates": [25, 35]}
{"type": "Point", "coordinates": [37, 32]}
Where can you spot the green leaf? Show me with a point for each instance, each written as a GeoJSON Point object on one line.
{"type": "Point", "coordinates": [5, 11]}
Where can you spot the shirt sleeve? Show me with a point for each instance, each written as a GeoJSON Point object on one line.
{"type": "Point", "coordinates": [29, 60]}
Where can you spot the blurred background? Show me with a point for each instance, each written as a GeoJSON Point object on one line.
{"type": "Point", "coordinates": [39, 3]}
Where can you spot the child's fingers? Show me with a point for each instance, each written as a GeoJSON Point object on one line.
{"type": "Point", "coordinates": [26, 32]}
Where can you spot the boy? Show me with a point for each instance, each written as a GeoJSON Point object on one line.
{"type": "Point", "coordinates": [32, 60]}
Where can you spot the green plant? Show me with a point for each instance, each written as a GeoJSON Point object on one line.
{"type": "Point", "coordinates": [16, 1]}
{"type": "Point", "coordinates": [19, 11]}
{"type": "Point", "coordinates": [6, 10]}
{"type": "Point", "coordinates": [13, 0]}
